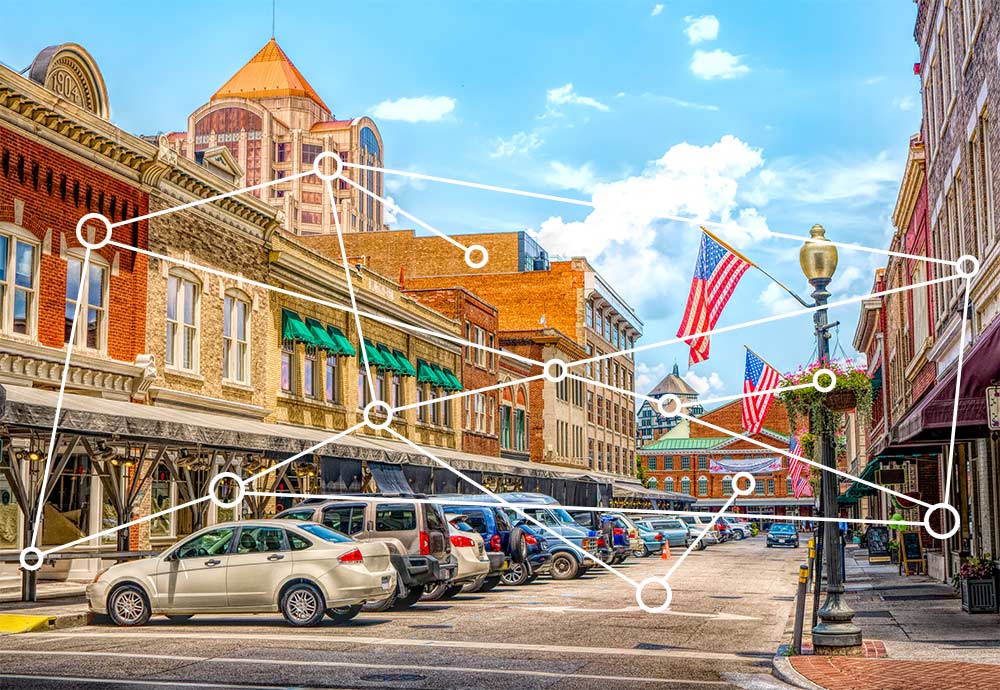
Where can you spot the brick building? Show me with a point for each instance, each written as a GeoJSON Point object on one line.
{"type": "Point", "coordinates": [274, 124]}
{"type": "Point", "coordinates": [477, 320]}
{"type": "Point", "coordinates": [697, 460]}
{"type": "Point", "coordinates": [530, 291]}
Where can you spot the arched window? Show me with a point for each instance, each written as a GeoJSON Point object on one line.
{"type": "Point", "coordinates": [727, 486]}
{"type": "Point", "coordinates": [686, 485]}
{"type": "Point", "coordinates": [183, 301]}
{"type": "Point", "coordinates": [236, 337]}
{"type": "Point", "coordinates": [703, 485]}
{"type": "Point", "coordinates": [521, 420]}
{"type": "Point", "coordinates": [652, 483]}
{"type": "Point", "coordinates": [668, 484]}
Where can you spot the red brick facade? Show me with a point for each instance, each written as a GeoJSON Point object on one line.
{"type": "Point", "coordinates": [56, 192]}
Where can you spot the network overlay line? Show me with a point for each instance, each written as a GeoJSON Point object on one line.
{"type": "Point", "coordinates": [701, 535]}
{"type": "Point", "coordinates": [958, 388]}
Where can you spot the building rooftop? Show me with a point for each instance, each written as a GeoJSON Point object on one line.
{"type": "Point", "coordinates": [673, 383]}
{"type": "Point", "coordinates": [269, 74]}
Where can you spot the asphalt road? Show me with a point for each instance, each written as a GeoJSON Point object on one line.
{"type": "Point", "coordinates": [730, 607]}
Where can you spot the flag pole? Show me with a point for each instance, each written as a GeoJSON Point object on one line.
{"type": "Point", "coordinates": [740, 254]}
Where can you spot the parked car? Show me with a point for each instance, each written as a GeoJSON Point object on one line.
{"type": "Point", "coordinates": [492, 524]}
{"type": "Point", "coordinates": [473, 563]}
{"type": "Point", "coordinates": [537, 556]}
{"type": "Point", "coordinates": [740, 530]}
{"type": "Point", "coordinates": [782, 534]}
{"type": "Point", "coordinates": [674, 530]}
{"type": "Point", "coordinates": [612, 547]}
{"type": "Point", "coordinates": [697, 524]}
{"type": "Point", "coordinates": [304, 570]}
{"type": "Point", "coordinates": [625, 531]}
{"type": "Point", "coordinates": [416, 533]}
{"type": "Point", "coordinates": [652, 540]}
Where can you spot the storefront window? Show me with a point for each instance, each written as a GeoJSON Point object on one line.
{"type": "Point", "coordinates": [10, 516]}
{"type": "Point", "coordinates": [161, 498]}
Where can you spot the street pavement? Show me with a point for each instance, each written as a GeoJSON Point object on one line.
{"type": "Point", "coordinates": [730, 607]}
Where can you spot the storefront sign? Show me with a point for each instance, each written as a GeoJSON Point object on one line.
{"type": "Point", "coordinates": [752, 464]}
{"type": "Point", "coordinates": [877, 538]}
{"type": "Point", "coordinates": [993, 407]}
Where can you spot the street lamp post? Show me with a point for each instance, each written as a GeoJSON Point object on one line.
{"type": "Point", "coordinates": [836, 632]}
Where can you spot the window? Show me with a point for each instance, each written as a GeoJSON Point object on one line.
{"type": "Point", "coordinates": [651, 463]}
{"type": "Point", "coordinates": [364, 391]}
{"type": "Point", "coordinates": [296, 542]}
{"type": "Point", "coordinates": [422, 397]}
{"type": "Point", "coordinates": [397, 390]}
{"type": "Point", "coordinates": [727, 486]}
{"type": "Point", "coordinates": [702, 462]}
{"type": "Point", "coordinates": [479, 338]}
{"type": "Point", "coordinates": [703, 486]}
{"type": "Point", "coordinates": [332, 379]}
{"type": "Point", "coordinates": [590, 314]}
{"type": "Point", "coordinates": [685, 462]}
{"type": "Point", "coordinates": [310, 151]}
{"type": "Point", "coordinates": [788, 486]}
{"type": "Point", "coordinates": [469, 354]}
{"type": "Point", "coordinates": [759, 488]}
{"type": "Point", "coordinates": [260, 540]}
{"type": "Point", "coordinates": [919, 297]}
{"type": "Point", "coordinates": [282, 152]}
{"type": "Point", "coordinates": [345, 519]}
{"type": "Point", "coordinates": [161, 498]}
{"type": "Point", "coordinates": [980, 180]}
{"type": "Point", "coordinates": [235, 339]}
{"type": "Point", "coordinates": [211, 543]}
{"type": "Point", "coordinates": [685, 485]}
{"type": "Point", "coordinates": [93, 310]}
{"type": "Point", "coordinates": [668, 484]}
{"type": "Point", "coordinates": [183, 294]}
{"type": "Point", "coordinates": [521, 421]}
{"type": "Point", "coordinates": [310, 387]}
{"type": "Point", "coordinates": [770, 487]}
{"type": "Point", "coordinates": [287, 366]}
{"type": "Point", "coordinates": [395, 518]}
{"type": "Point", "coordinates": [18, 271]}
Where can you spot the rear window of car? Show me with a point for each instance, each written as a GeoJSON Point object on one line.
{"type": "Point", "coordinates": [325, 533]}
{"type": "Point", "coordinates": [477, 521]}
{"type": "Point", "coordinates": [672, 524]}
{"type": "Point", "coordinates": [304, 515]}
{"type": "Point", "coordinates": [347, 519]}
{"type": "Point", "coordinates": [399, 518]}
{"type": "Point", "coordinates": [690, 519]}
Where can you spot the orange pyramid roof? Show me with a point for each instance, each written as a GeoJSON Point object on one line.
{"type": "Point", "coordinates": [269, 74]}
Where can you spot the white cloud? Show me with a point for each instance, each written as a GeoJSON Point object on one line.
{"type": "Point", "coordinates": [701, 28]}
{"type": "Point", "coordinates": [704, 384]}
{"type": "Point", "coordinates": [388, 212]}
{"type": "Point", "coordinates": [517, 144]}
{"type": "Point", "coordinates": [581, 178]}
{"type": "Point", "coordinates": [565, 95]}
{"type": "Point", "coordinates": [657, 9]}
{"type": "Point", "coordinates": [905, 103]}
{"type": "Point", "coordinates": [679, 102]}
{"type": "Point", "coordinates": [648, 376]}
{"type": "Point", "coordinates": [871, 81]}
{"type": "Point", "coordinates": [855, 180]}
{"type": "Point", "coordinates": [717, 64]}
{"type": "Point", "coordinates": [629, 237]}
{"type": "Point", "coordinates": [419, 109]}
{"type": "Point", "coordinates": [776, 301]}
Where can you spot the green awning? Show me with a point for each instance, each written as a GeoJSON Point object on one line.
{"type": "Point", "coordinates": [344, 345]}
{"type": "Point", "coordinates": [374, 356]}
{"type": "Point", "coordinates": [407, 368]}
{"type": "Point", "coordinates": [858, 489]}
{"type": "Point", "coordinates": [456, 385]}
{"type": "Point", "coordinates": [426, 373]}
{"type": "Point", "coordinates": [293, 329]}
{"type": "Point", "coordinates": [321, 337]}
{"type": "Point", "coordinates": [391, 363]}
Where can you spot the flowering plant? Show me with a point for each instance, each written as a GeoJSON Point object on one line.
{"type": "Point", "coordinates": [809, 402]}
{"type": "Point", "coordinates": [982, 568]}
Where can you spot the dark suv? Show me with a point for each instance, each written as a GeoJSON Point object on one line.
{"type": "Point", "coordinates": [415, 532]}
{"type": "Point", "coordinates": [510, 548]}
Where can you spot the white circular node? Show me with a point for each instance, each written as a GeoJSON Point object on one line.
{"type": "Point", "coordinates": [967, 266]}
{"type": "Point", "coordinates": [318, 166]}
{"type": "Point", "coordinates": [669, 405]}
{"type": "Point", "coordinates": [555, 370]}
{"type": "Point", "coordinates": [381, 409]}
{"type": "Point", "coordinates": [214, 485]}
{"type": "Point", "coordinates": [31, 558]}
{"type": "Point", "coordinates": [662, 581]}
{"type": "Point", "coordinates": [750, 481]}
{"type": "Point", "coordinates": [954, 519]}
{"type": "Point", "coordinates": [824, 388]}
{"type": "Point", "coordinates": [81, 238]}
{"type": "Point", "coordinates": [476, 250]}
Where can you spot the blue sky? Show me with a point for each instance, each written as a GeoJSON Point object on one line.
{"type": "Point", "coordinates": [774, 115]}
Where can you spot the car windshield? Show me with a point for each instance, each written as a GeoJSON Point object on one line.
{"type": "Point", "coordinates": [325, 533]}
{"type": "Point", "coordinates": [782, 529]}
{"type": "Point", "coordinates": [563, 516]}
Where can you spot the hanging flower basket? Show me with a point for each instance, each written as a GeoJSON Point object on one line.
{"type": "Point", "coordinates": [843, 400]}
{"type": "Point", "coordinates": [852, 390]}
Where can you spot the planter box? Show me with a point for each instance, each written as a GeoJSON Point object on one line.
{"type": "Point", "coordinates": [979, 596]}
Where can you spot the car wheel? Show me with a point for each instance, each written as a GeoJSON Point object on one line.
{"type": "Point", "coordinates": [516, 576]}
{"type": "Point", "coordinates": [641, 553]}
{"type": "Point", "coordinates": [344, 613]}
{"type": "Point", "coordinates": [702, 545]}
{"type": "Point", "coordinates": [408, 599]}
{"type": "Point", "coordinates": [128, 606]}
{"type": "Point", "coordinates": [302, 605]}
{"type": "Point", "coordinates": [564, 567]}
{"type": "Point", "coordinates": [739, 535]}
{"type": "Point", "coordinates": [440, 591]}
{"type": "Point", "coordinates": [489, 583]}
{"type": "Point", "coordinates": [380, 605]}
{"type": "Point", "coordinates": [179, 617]}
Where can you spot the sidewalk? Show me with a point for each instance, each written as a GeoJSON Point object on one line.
{"type": "Point", "coordinates": [917, 637]}
{"type": "Point", "coordinates": [60, 605]}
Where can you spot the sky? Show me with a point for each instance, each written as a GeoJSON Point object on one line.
{"type": "Point", "coordinates": [767, 116]}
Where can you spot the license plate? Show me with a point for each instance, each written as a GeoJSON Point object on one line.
{"type": "Point", "coordinates": [386, 581]}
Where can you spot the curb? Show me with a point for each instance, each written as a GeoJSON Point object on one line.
{"type": "Point", "coordinates": [16, 623]}
{"type": "Point", "coordinates": [781, 668]}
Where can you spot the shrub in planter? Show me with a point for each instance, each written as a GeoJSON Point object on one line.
{"type": "Point", "coordinates": [976, 579]}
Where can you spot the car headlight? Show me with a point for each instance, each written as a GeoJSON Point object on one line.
{"type": "Point", "coordinates": [99, 573]}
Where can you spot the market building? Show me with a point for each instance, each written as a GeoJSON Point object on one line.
{"type": "Point", "coordinates": [275, 124]}
{"type": "Point", "coordinates": [531, 291]}
{"type": "Point", "coordinates": [651, 425]}
{"type": "Point", "coordinates": [697, 460]}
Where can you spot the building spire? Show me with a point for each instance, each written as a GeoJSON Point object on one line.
{"type": "Point", "coordinates": [273, 12]}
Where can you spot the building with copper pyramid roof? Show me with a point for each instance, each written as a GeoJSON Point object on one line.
{"type": "Point", "coordinates": [275, 124]}
{"type": "Point", "coordinates": [652, 424]}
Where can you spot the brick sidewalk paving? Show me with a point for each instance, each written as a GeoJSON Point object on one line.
{"type": "Point", "coordinates": [851, 673]}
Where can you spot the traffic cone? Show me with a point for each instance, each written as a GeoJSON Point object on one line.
{"type": "Point", "coordinates": [665, 553]}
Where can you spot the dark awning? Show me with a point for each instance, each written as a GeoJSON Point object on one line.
{"type": "Point", "coordinates": [981, 367]}
{"type": "Point", "coordinates": [390, 478]}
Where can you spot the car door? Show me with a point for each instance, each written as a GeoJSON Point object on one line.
{"type": "Point", "coordinates": [260, 561]}
{"type": "Point", "coordinates": [346, 518]}
{"type": "Point", "coordinates": [193, 576]}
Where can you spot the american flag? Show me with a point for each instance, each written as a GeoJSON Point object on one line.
{"type": "Point", "coordinates": [716, 274]}
{"type": "Point", "coordinates": [798, 472]}
{"type": "Point", "coordinates": [758, 376]}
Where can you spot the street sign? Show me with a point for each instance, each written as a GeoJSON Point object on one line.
{"type": "Point", "coordinates": [993, 407]}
